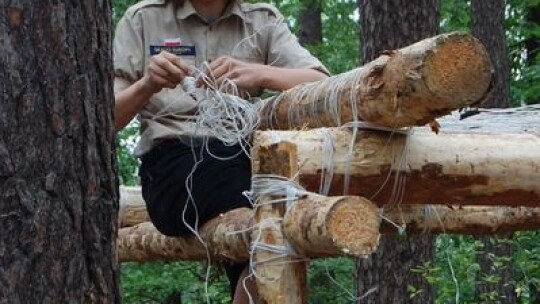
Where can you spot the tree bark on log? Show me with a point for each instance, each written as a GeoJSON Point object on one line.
{"type": "Point", "coordinates": [472, 220]}
{"type": "Point", "coordinates": [466, 164]}
{"type": "Point", "coordinates": [407, 87]}
{"type": "Point", "coordinates": [317, 225]}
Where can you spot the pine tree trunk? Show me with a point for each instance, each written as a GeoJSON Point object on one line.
{"type": "Point", "coordinates": [495, 283]}
{"type": "Point", "coordinates": [393, 24]}
{"type": "Point", "coordinates": [389, 25]}
{"type": "Point", "coordinates": [532, 44]}
{"type": "Point", "coordinates": [389, 270]}
{"type": "Point", "coordinates": [310, 23]}
{"type": "Point", "coordinates": [58, 191]}
{"type": "Point", "coordinates": [488, 27]}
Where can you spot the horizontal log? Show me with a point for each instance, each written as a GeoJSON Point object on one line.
{"type": "Point", "coordinates": [132, 207]}
{"type": "Point", "coordinates": [228, 236]}
{"type": "Point", "coordinates": [474, 220]}
{"type": "Point", "coordinates": [407, 87]}
{"type": "Point", "coordinates": [470, 165]}
{"type": "Point", "coordinates": [225, 237]}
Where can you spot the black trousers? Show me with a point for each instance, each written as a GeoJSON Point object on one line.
{"type": "Point", "coordinates": [185, 184]}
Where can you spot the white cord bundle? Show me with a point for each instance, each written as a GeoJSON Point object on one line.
{"type": "Point", "coordinates": [227, 117]}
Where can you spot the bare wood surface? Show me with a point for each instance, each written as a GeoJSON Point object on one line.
{"type": "Point", "coordinates": [407, 87]}
{"type": "Point", "coordinates": [491, 158]}
{"type": "Point", "coordinates": [316, 226]}
{"type": "Point", "coordinates": [281, 275]}
{"type": "Point", "coordinates": [345, 224]}
{"type": "Point", "coordinates": [225, 237]}
{"type": "Point", "coordinates": [473, 220]}
{"type": "Point", "coordinates": [132, 207]}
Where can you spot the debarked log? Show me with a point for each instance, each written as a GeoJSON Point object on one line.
{"type": "Point", "coordinates": [455, 168]}
{"type": "Point", "coordinates": [132, 209]}
{"type": "Point", "coordinates": [324, 229]}
{"type": "Point", "coordinates": [407, 87]}
{"type": "Point", "coordinates": [472, 220]}
{"type": "Point", "coordinates": [224, 237]}
{"type": "Point", "coordinates": [475, 220]}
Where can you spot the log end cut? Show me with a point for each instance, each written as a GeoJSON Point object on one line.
{"type": "Point", "coordinates": [353, 224]}
{"type": "Point", "coordinates": [459, 69]}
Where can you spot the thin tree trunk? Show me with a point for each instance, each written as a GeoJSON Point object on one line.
{"type": "Point", "coordinates": [58, 191]}
{"type": "Point", "coordinates": [488, 27]}
{"type": "Point", "coordinates": [389, 271]}
{"type": "Point", "coordinates": [310, 23]}
{"type": "Point", "coordinates": [495, 283]}
{"type": "Point", "coordinates": [532, 44]}
{"type": "Point", "coordinates": [389, 25]}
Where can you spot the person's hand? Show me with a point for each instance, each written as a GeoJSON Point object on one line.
{"type": "Point", "coordinates": [165, 70]}
{"type": "Point", "coordinates": [246, 76]}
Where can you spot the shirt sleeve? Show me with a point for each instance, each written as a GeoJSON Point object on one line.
{"type": "Point", "coordinates": [128, 52]}
{"type": "Point", "coordinates": [284, 50]}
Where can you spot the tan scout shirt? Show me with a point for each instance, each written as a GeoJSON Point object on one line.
{"type": "Point", "coordinates": [248, 32]}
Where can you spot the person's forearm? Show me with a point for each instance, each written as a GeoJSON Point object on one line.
{"type": "Point", "coordinates": [280, 79]}
{"type": "Point", "coordinates": [129, 102]}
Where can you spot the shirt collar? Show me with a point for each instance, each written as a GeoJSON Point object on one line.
{"type": "Point", "coordinates": [234, 8]}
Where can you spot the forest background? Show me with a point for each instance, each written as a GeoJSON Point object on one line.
{"type": "Point", "coordinates": [455, 272]}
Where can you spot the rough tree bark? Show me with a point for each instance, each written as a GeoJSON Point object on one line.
{"type": "Point", "coordinates": [495, 260]}
{"type": "Point", "coordinates": [488, 26]}
{"type": "Point", "coordinates": [532, 43]}
{"type": "Point", "coordinates": [389, 25]}
{"type": "Point", "coordinates": [58, 191]}
{"type": "Point", "coordinates": [310, 22]}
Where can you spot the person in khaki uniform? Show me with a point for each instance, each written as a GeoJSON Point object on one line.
{"type": "Point", "coordinates": [248, 44]}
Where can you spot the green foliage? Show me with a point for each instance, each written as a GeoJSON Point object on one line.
{"type": "Point", "coordinates": [331, 281]}
{"type": "Point", "coordinates": [455, 16]}
{"type": "Point", "coordinates": [166, 282]}
{"type": "Point", "coordinates": [127, 163]}
{"type": "Point", "coordinates": [119, 7]}
{"type": "Point", "coordinates": [525, 87]}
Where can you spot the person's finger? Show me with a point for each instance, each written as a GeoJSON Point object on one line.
{"type": "Point", "coordinates": [156, 69]}
{"type": "Point", "coordinates": [218, 62]}
{"type": "Point", "coordinates": [227, 77]}
{"type": "Point", "coordinates": [157, 82]}
{"type": "Point", "coordinates": [174, 73]}
{"type": "Point", "coordinates": [177, 61]}
{"type": "Point", "coordinates": [164, 82]}
{"type": "Point", "coordinates": [221, 66]}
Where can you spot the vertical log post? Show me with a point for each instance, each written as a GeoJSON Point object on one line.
{"type": "Point", "coordinates": [281, 278]}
